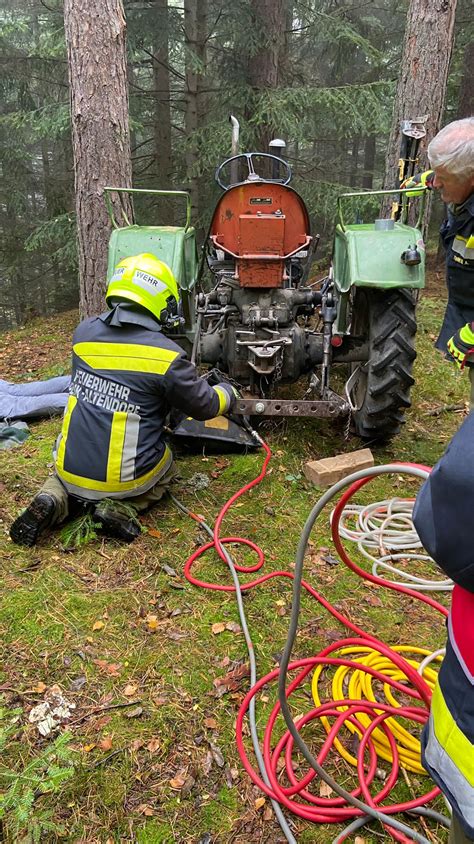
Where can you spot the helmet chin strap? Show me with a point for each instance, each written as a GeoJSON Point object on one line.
{"type": "Point", "coordinates": [169, 317]}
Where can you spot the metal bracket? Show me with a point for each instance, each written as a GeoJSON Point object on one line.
{"type": "Point", "coordinates": [282, 407]}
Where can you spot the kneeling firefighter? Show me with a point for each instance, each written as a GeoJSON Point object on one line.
{"type": "Point", "coordinates": [126, 377]}
{"type": "Point", "coordinates": [443, 519]}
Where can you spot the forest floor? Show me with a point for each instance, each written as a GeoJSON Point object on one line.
{"type": "Point", "coordinates": [145, 656]}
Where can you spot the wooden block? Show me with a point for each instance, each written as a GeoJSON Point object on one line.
{"type": "Point", "coordinates": [327, 471]}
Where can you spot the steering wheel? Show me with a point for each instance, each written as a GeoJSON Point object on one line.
{"type": "Point", "coordinates": [247, 158]}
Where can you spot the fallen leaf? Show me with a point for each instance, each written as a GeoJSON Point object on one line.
{"type": "Point", "coordinates": [211, 723]}
{"type": "Point", "coordinates": [152, 621]}
{"type": "Point", "coordinates": [153, 745]}
{"type": "Point", "coordinates": [98, 625]}
{"type": "Point", "coordinates": [134, 713]}
{"type": "Point", "coordinates": [373, 600]}
{"type": "Point", "coordinates": [178, 781]}
{"type": "Point", "coordinates": [78, 682]}
{"type": "Point", "coordinates": [259, 802]}
{"type": "Point", "coordinates": [217, 755]}
{"type": "Point", "coordinates": [325, 790]}
{"type": "Point", "coordinates": [137, 744]}
{"type": "Point", "coordinates": [40, 688]}
{"type": "Point", "coordinates": [156, 533]}
{"type": "Point", "coordinates": [111, 668]}
{"type": "Point", "coordinates": [144, 808]}
{"type": "Point", "coordinates": [232, 681]}
{"type": "Point", "coordinates": [130, 690]}
{"type": "Point", "coordinates": [218, 627]}
{"type": "Point", "coordinates": [176, 635]}
{"type": "Point", "coordinates": [233, 627]}
{"type": "Point", "coordinates": [105, 743]}
{"type": "Point", "coordinates": [207, 763]}
{"type": "Point", "coordinates": [88, 747]}
{"type": "Point", "coordinates": [102, 722]}
{"type": "Point", "coordinates": [358, 839]}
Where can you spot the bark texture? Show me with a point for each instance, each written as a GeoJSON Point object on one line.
{"type": "Point", "coordinates": [466, 93]}
{"type": "Point", "coordinates": [195, 33]}
{"type": "Point", "coordinates": [95, 36]}
{"type": "Point", "coordinates": [266, 64]}
{"type": "Point", "coordinates": [161, 80]}
{"type": "Point", "coordinates": [423, 75]}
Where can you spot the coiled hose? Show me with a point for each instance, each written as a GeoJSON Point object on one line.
{"type": "Point", "coordinates": [387, 527]}
{"type": "Point", "coordinates": [372, 721]}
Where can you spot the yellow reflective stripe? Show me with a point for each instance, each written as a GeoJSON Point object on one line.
{"type": "Point", "coordinates": [71, 403]}
{"type": "Point", "coordinates": [129, 357]}
{"type": "Point", "coordinates": [117, 436]}
{"type": "Point", "coordinates": [451, 737]}
{"type": "Point", "coordinates": [464, 246]}
{"type": "Point", "coordinates": [224, 400]}
{"type": "Point", "coordinates": [105, 486]}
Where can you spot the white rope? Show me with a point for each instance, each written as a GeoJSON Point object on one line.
{"type": "Point", "coordinates": [387, 528]}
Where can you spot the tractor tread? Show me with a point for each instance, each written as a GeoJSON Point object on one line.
{"type": "Point", "coordinates": [392, 328]}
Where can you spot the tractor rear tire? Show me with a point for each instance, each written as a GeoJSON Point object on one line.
{"type": "Point", "coordinates": [382, 393]}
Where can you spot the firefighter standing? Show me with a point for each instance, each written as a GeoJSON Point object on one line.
{"type": "Point", "coordinates": [443, 519]}
{"type": "Point", "coordinates": [451, 155]}
{"type": "Point", "coordinates": [126, 376]}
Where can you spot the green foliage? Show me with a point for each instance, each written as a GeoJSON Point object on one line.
{"type": "Point", "coordinates": [79, 532]}
{"type": "Point", "coordinates": [337, 64]}
{"type": "Point", "coordinates": [50, 121]}
{"type": "Point", "coordinates": [22, 817]}
{"type": "Point", "coordinates": [57, 237]}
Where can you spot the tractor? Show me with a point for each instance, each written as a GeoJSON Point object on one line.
{"type": "Point", "coordinates": [250, 311]}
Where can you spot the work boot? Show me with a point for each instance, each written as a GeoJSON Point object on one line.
{"type": "Point", "coordinates": [27, 528]}
{"type": "Point", "coordinates": [118, 519]}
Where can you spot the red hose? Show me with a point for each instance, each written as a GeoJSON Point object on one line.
{"type": "Point", "coordinates": [295, 796]}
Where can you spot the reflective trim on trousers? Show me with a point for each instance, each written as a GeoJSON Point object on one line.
{"type": "Point", "coordinates": [95, 490]}
{"type": "Point", "coordinates": [456, 787]}
{"type": "Point", "coordinates": [452, 739]}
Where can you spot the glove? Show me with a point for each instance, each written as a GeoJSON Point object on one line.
{"type": "Point", "coordinates": [461, 345]}
{"type": "Point", "coordinates": [420, 180]}
{"type": "Point", "coordinates": [228, 396]}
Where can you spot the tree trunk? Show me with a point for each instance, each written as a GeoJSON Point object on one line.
{"type": "Point", "coordinates": [466, 92]}
{"type": "Point", "coordinates": [269, 24]}
{"type": "Point", "coordinates": [354, 161]}
{"type": "Point", "coordinates": [192, 114]}
{"type": "Point", "coordinates": [161, 84]}
{"type": "Point", "coordinates": [422, 82]}
{"type": "Point", "coordinates": [195, 33]}
{"type": "Point", "coordinates": [95, 38]}
{"type": "Point", "coordinates": [369, 162]}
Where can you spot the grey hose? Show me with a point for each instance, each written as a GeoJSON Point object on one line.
{"type": "Point", "coordinates": [285, 660]}
{"type": "Point", "coordinates": [253, 674]}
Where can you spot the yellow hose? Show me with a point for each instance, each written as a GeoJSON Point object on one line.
{"type": "Point", "coordinates": [350, 683]}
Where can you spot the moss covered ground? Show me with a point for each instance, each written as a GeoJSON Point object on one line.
{"type": "Point", "coordinates": [131, 642]}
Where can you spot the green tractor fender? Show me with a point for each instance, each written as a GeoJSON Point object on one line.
{"type": "Point", "coordinates": [175, 245]}
{"type": "Point", "coordinates": [378, 268]}
{"type": "Point", "coordinates": [383, 255]}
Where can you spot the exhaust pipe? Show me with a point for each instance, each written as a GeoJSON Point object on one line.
{"type": "Point", "coordinates": [276, 148]}
{"type": "Point", "coordinates": [234, 167]}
